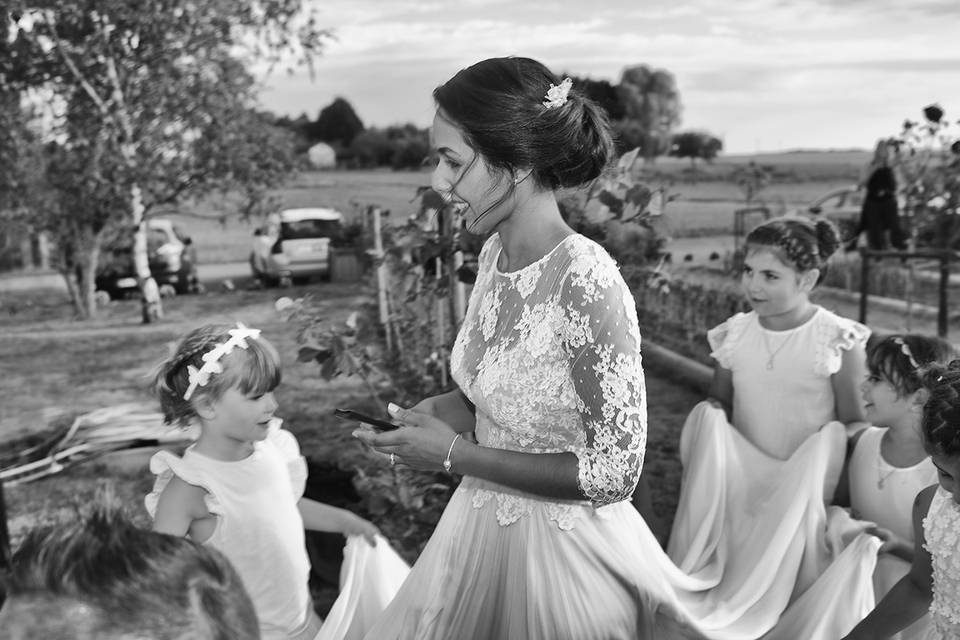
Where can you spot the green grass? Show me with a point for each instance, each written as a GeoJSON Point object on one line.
{"type": "Point", "coordinates": [706, 201]}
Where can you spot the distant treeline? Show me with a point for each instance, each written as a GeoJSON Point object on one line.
{"type": "Point", "coordinates": [644, 107]}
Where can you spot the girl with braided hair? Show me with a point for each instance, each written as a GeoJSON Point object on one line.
{"type": "Point", "coordinates": [762, 457]}
{"type": "Point", "coordinates": [933, 583]}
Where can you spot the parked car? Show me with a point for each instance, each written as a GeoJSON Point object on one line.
{"type": "Point", "coordinates": [170, 254]}
{"type": "Point", "coordinates": [840, 206]}
{"type": "Point", "coordinates": [301, 248]}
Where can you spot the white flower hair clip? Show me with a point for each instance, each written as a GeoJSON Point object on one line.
{"type": "Point", "coordinates": [905, 350]}
{"type": "Point", "coordinates": [557, 94]}
{"type": "Point", "coordinates": [211, 359]}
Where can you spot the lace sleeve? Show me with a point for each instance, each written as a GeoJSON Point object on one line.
{"type": "Point", "coordinates": [603, 340]}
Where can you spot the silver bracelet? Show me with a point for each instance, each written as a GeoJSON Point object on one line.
{"type": "Point", "coordinates": [447, 462]}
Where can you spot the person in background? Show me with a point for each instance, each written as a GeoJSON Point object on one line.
{"type": "Point", "coordinates": [880, 215]}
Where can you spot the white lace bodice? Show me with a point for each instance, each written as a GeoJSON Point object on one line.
{"type": "Point", "coordinates": [550, 356]}
{"type": "Point", "coordinates": [941, 528]}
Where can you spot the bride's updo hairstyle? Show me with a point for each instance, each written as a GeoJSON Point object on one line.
{"type": "Point", "coordinates": [498, 105]}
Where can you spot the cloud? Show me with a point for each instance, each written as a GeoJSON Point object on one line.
{"type": "Point", "coordinates": [808, 62]}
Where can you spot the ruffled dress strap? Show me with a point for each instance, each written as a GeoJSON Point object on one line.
{"type": "Point", "coordinates": [836, 334]}
{"type": "Point", "coordinates": [724, 337]}
{"type": "Point", "coordinates": [165, 465]}
{"type": "Point", "coordinates": [286, 443]}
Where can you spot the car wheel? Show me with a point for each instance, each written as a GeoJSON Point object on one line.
{"type": "Point", "coordinates": [285, 282]}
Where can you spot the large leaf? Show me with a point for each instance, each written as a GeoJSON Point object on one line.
{"type": "Point", "coordinates": [611, 201]}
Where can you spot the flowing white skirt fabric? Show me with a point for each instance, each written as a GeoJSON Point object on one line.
{"type": "Point", "coordinates": [755, 554]}
{"type": "Point", "coordinates": [369, 579]}
{"type": "Point", "coordinates": [783, 565]}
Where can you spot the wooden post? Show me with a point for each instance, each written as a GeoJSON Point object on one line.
{"type": "Point", "coordinates": [4, 537]}
{"type": "Point", "coordinates": [381, 277]}
{"type": "Point", "coordinates": [864, 284]}
{"type": "Point", "coordinates": [942, 312]}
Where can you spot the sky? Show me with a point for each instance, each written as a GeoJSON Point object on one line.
{"type": "Point", "coordinates": [763, 75]}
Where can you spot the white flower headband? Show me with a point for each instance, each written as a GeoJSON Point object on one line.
{"type": "Point", "coordinates": [905, 350]}
{"type": "Point", "coordinates": [200, 377]}
{"type": "Point", "coordinates": [557, 94]}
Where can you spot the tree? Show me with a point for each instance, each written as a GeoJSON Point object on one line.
{"type": "Point", "coordinates": [695, 144]}
{"type": "Point", "coordinates": [928, 163]}
{"type": "Point", "coordinates": [603, 93]}
{"type": "Point", "coordinates": [337, 124]}
{"type": "Point", "coordinates": [651, 100]}
{"type": "Point", "coordinates": [157, 97]}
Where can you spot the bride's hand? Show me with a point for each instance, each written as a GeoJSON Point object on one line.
{"type": "Point", "coordinates": [422, 441]}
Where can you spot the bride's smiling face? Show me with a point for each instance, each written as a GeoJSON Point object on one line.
{"type": "Point", "coordinates": [464, 178]}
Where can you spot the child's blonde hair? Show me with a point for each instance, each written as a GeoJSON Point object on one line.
{"type": "Point", "coordinates": [801, 243]}
{"type": "Point", "coordinates": [254, 370]}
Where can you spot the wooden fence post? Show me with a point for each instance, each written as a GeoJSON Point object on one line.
{"type": "Point", "coordinates": [381, 276]}
{"type": "Point", "coordinates": [864, 284]}
{"type": "Point", "coordinates": [942, 315]}
{"type": "Point", "coordinates": [4, 537]}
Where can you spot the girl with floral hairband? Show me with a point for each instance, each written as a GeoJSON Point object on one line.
{"type": "Point", "coordinates": [933, 582]}
{"type": "Point", "coordinates": [887, 463]}
{"type": "Point", "coordinates": [239, 487]}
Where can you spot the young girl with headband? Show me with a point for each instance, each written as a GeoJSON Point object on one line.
{"type": "Point", "coordinates": [933, 583]}
{"type": "Point", "coordinates": [887, 463]}
{"type": "Point", "coordinates": [240, 487]}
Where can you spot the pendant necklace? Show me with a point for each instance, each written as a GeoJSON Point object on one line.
{"type": "Point", "coordinates": [884, 476]}
{"type": "Point", "coordinates": [772, 354]}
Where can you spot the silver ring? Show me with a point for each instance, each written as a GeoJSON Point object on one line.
{"type": "Point", "coordinates": [393, 459]}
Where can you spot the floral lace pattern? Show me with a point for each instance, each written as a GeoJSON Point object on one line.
{"type": "Point", "coordinates": [941, 528]}
{"type": "Point", "coordinates": [552, 362]}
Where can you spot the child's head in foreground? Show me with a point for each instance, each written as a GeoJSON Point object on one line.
{"type": "Point", "coordinates": [99, 577]}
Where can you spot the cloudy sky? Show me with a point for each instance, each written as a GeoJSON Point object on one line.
{"type": "Point", "coordinates": [761, 74]}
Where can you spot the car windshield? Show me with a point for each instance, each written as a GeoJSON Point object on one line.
{"type": "Point", "coordinates": [310, 228]}
{"type": "Point", "coordinates": [156, 238]}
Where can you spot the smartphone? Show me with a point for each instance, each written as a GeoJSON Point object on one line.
{"type": "Point", "coordinates": [376, 423]}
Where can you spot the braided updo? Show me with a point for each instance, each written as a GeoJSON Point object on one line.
{"type": "Point", "coordinates": [253, 371]}
{"type": "Point", "coordinates": [941, 412]}
{"type": "Point", "coordinates": [801, 243]}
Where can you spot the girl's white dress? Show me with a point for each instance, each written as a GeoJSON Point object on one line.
{"type": "Point", "coordinates": [941, 528]}
{"type": "Point", "coordinates": [752, 515]}
{"type": "Point", "coordinates": [260, 530]}
{"type": "Point", "coordinates": [884, 494]}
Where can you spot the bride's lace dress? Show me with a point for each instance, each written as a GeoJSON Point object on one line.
{"type": "Point", "coordinates": [941, 528]}
{"type": "Point", "coordinates": [550, 356]}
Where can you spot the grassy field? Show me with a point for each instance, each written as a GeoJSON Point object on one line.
{"type": "Point", "coordinates": [706, 199]}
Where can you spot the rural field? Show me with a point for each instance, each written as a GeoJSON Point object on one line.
{"type": "Point", "coordinates": [705, 200]}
